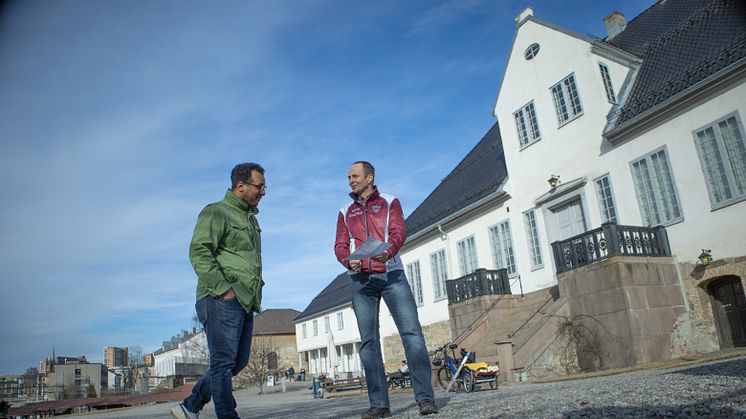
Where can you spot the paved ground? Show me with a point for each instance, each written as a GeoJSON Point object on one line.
{"type": "Point", "coordinates": [710, 389]}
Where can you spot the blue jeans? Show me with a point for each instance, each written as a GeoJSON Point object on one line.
{"type": "Point", "coordinates": [367, 291]}
{"type": "Point", "coordinates": [228, 328]}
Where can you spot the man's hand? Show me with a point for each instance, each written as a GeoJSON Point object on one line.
{"type": "Point", "coordinates": [355, 265]}
{"type": "Point", "coordinates": [383, 257]}
{"type": "Point", "coordinates": [228, 295]}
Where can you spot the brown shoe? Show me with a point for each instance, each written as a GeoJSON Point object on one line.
{"type": "Point", "coordinates": [376, 412]}
{"type": "Point", "coordinates": [428, 407]}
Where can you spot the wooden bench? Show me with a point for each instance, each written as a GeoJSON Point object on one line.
{"type": "Point", "coordinates": [344, 384]}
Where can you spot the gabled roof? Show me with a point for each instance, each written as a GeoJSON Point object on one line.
{"type": "Point", "coordinates": [275, 321]}
{"type": "Point", "coordinates": [478, 175]}
{"type": "Point", "coordinates": [336, 294]}
{"type": "Point", "coordinates": [681, 43]}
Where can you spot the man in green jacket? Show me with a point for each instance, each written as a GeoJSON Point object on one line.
{"type": "Point", "coordinates": [226, 255]}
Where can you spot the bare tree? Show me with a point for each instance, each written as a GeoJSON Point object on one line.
{"type": "Point", "coordinates": [258, 368]}
{"type": "Point", "coordinates": [136, 367]}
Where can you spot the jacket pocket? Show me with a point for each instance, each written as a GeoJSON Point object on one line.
{"type": "Point", "coordinates": [239, 238]}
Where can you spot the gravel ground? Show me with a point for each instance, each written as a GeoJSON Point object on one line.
{"type": "Point", "coordinates": [714, 389]}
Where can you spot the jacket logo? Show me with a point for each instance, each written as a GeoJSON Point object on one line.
{"type": "Point", "coordinates": [376, 208]}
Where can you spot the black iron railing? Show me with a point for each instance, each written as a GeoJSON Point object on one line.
{"type": "Point", "coordinates": [609, 240]}
{"type": "Point", "coordinates": [478, 283]}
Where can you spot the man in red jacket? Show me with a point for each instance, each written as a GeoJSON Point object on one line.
{"type": "Point", "coordinates": [377, 215]}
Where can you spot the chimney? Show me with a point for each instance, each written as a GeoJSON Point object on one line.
{"type": "Point", "coordinates": [528, 11]}
{"type": "Point", "coordinates": [615, 24]}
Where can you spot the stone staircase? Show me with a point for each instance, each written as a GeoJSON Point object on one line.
{"type": "Point", "coordinates": [511, 329]}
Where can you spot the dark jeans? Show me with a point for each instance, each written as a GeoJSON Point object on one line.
{"type": "Point", "coordinates": [228, 328]}
{"type": "Point", "coordinates": [367, 291]}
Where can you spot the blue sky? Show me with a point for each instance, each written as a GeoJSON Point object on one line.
{"type": "Point", "coordinates": [121, 120]}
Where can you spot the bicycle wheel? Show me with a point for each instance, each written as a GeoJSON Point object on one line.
{"type": "Point", "coordinates": [468, 377]}
{"type": "Point", "coordinates": [444, 376]}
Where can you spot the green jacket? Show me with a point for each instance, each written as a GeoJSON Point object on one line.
{"type": "Point", "coordinates": [226, 252]}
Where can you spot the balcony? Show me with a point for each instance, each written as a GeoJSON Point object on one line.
{"type": "Point", "coordinates": [478, 283]}
{"type": "Point", "coordinates": [609, 240]}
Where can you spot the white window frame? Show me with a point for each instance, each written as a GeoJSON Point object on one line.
{"type": "Point", "coordinates": [728, 176]}
{"type": "Point", "coordinates": [654, 207]}
{"type": "Point", "coordinates": [566, 96]}
{"type": "Point", "coordinates": [501, 244]}
{"type": "Point", "coordinates": [303, 332]}
{"type": "Point", "coordinates": [414, 278]}
{"type": "Point", "coordinates": [606, 201]}
{"type": "Point", "coordinates": [327, 325]}
{"type": "Point", "coordinates": [606, 77]}
{"type": "Point", "coordinates": [527, 125]}
{"type": "Point", "coordinates": [532, 239]}
{"type": "Point", "coordinates": [340, 321]}
{"type": "Point", "coordinates": [467, 263]}
{"type": "Point", "coordinates": [439, 270]}
{"type": "Point", "coordinates": [315, 327]}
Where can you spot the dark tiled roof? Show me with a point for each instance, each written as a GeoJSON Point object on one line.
{"type": "Point", "coordinates": [336, 294]}
{"type": "Point", "coordinates": [681, 42]}
{"type": "Point", "coordinates": [478, 175]}
{"type": "Point", "coordinates": [275, 321]}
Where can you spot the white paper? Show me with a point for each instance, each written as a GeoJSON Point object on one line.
{"type": "Point", "coordinates": [368, 249]}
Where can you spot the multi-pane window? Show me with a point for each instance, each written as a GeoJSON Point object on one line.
{"type": "Point", "coordinates": [532, 234]}
{"type": "Point", "coordinates": [315, 327]}
{"type": "Point", "coordinates": [723, 155]}
{"type": "Point", "coordinates": [502, 247]}
{"type": "Point", "coordinates": [415, 281]}
{"type": "Point", "coordinates": [606, 199]}
{"type": "Point", "coordinates": [440, 273]}
{"type": "Point", "coordinates": [326, 325]}
{"type": "Point", "coordinates": [303, 330]}
{"type": "Point", "coordinates": [566, 99]}
{"type": "Point", "coordinates": [467, 256]}
{"type": "Point", "coordinates": [607, 83]}
{"type": "Point", "coordinates": [527, 125]}
{"type": "Point", "coordinates": [340, 321]}
{"type": "Point", "coordinates": [656, 192]}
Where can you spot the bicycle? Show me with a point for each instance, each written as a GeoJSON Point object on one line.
{"type": "Point", "coordinates": [472, 373]}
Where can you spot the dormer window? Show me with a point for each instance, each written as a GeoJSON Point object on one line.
{"type": "Point", "coordinates": [532, 51]}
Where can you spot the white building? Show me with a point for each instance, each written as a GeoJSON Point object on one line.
{"type": "Point", "coordinates": [643, 128]}
{"type": "Point", "coordinates": [329, 321]}
{"type": "Point", "coordinates": [186, 357]}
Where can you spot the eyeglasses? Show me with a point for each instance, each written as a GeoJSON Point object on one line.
{"type": "Point", "coordinates": [261, 188]}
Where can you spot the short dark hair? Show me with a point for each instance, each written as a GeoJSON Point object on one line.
{"type": "Point", "coordinates": [242, 173]}
{"type": "Point", "coordinates": [368, 168]}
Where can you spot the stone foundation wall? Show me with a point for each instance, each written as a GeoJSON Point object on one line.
{"type": "Point", "coordinates": [627, 307]}
{"type": "Point", "coordinates": [695, 331]}
{"type": "Point", "coordinates": [436, 334]}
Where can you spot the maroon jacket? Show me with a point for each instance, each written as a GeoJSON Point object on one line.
{"type": "Point", "coordinates": [380, 216]}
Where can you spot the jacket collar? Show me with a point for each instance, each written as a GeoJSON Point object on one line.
{"type": "Point", "coordinates": [372, 196]}
{"type": "Point", "coordinates": [233, 201]}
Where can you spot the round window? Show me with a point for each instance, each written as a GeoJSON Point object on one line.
{"type": "Point", "coordinates": [532, 51]}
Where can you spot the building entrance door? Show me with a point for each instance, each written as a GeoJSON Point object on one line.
{"type": "Point", "coordinates": [729, 306]}
{"type": "Point", "coordinates": [570, 219]}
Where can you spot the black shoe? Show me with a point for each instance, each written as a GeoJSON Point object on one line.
{"type": "Point", "coordinates": [428, 407]}
{"type": "Point", "coordinates": [376, 412]}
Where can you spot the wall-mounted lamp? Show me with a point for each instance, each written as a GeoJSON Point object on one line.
{"type": "Point", "coordinates": [705, 258]}
{"type": "Point", "coordinates": [443, 235]}
{"type": "Point", "coordinates": [553, 181]}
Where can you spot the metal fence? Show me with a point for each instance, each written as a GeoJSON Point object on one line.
{"type": "Point", "coordinates": [478, 283]}
{"type": "Point", "coordinates": [609, 240]}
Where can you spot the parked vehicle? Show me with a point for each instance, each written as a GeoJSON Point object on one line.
{"type": "Point", "coordinates": [471, 374]}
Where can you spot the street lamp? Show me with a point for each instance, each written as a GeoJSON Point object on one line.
{"type": "Point", "coordinates": [705, 258]}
